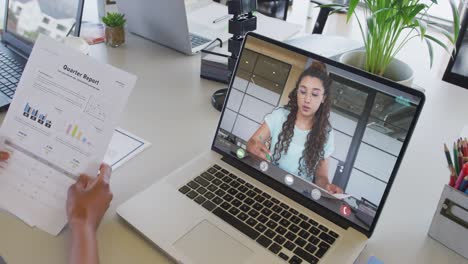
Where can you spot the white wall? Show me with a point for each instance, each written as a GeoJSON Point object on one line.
{"type": "Point", "coordinates": [442, 9]}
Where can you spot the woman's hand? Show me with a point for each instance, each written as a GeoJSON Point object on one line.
{"type": "Point", "coordinates": [256, 146]}
{"type": "Point", "coordinates": [321, 178]}
{"type": "Point", "coordinates": [258, 149]}
{"type": "Point", "coordinates": [332, 188]}
{"type": "Point", "coordinates": [88, 200]}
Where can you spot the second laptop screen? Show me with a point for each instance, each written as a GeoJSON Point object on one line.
{"type": "Point", "coordinates": [29, 18]}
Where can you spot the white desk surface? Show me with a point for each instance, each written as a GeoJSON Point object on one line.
{"type": "Point", "coordinates": [170, 107]}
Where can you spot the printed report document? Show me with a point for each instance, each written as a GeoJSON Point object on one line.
{"type": "Point", "coordinates": [58, 126]}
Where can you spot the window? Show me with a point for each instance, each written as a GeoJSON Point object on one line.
{"type": "Point", "coordinates": [45, 20]}
{"type": "Point", "coordinates": [43, 31]}
{"type": "Point", "coordinates": [257, 89]}
{"type": "Point", "coordinates": [370, 128]}
{"type": "Point", "coordinates": [61, 27]}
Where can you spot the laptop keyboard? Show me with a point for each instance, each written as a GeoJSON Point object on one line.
{"type": "Point", "coordinates": [284, 231]}
{"type": "Point", "coordinates": [10, 73]}
{"type": "Point", "coordinates": [197, 40]}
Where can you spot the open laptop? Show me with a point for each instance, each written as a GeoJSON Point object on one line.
{"type": "Point", "coordinates": [25, 20]}
{"type": "Point", "coordinates": [226, 206]}
{"type": "Point", "coordinates": [166, 22]}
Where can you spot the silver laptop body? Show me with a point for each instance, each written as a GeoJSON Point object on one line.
{"type": "Point", "coordinates": [165, 22]}
{"type": "Point", "coordinates": [179, 215]}
{"type": "Point", "coordinates": [190, 234]}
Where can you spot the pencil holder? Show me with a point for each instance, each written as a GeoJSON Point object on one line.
{"type": "Point", "coordinates": [450, 223]}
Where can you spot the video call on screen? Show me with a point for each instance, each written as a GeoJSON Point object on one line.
{"type": "Point", "coordinates": [369, 125]}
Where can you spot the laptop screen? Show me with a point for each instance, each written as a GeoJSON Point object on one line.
{"type": "Point", "coordinates": [26, 19]}
{"type": "Point", "coordinates": [328, 134]}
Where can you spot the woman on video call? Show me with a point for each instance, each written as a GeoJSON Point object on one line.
{"type": "Point", "coordinates": [300, 132]}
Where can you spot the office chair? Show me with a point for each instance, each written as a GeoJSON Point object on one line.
{"type": "Point", "coordinates": [324, 13]}
{"type": "Point", "coordinates": [272, 8]}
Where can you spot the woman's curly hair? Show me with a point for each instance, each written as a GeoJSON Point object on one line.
{"type": "Point", "coordinates": [318, 135]}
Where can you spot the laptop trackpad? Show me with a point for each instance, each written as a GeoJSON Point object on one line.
{"type": "Point", "coordinates": [207, 244]}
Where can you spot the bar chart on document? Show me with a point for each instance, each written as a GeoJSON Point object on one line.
{"type": "Point", "coordinates": [75, 132]}
{"type": "Point", "coordinates": [34, 115]}
{"type": "Point", "coordinates": [76, 135]}
{"type": "Point", "coordinates": [61, 125]}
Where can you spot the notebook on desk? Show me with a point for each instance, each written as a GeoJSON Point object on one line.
{"type": "Point", "coordinates": [235, 204]}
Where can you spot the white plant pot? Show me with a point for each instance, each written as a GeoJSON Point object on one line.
{"type": "Point", "coordinates": [397, 70]}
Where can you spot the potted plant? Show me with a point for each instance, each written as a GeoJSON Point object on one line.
{"type": "Point", "coordinates": [115, 33]}
{"type": "Point", "coordinates": [389, 25]}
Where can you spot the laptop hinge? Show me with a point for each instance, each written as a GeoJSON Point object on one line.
{"type": "Point", "coordinates": [15, 50]}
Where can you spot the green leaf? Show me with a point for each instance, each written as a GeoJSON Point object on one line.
{"type": "Point", "coordinates": [456, 20]}
{"type": "Point", "coordinates": [417, 8]}
{"type": "Point", "coordinates": [114, 20]}
{"type": "Point", "coordinates": [371, 23]}
{"type": "Point", "coordinates": [422, 26]}
{"type": "Point", "coordinates": [331, 6]}
{"type": "Point", "coordinates": [352, 6]}
{"type": "Point", "coordinates": [438, 42]}
{"type": "Point", "coordinates": [384, 10]}
{"type": "Point", "coordinates": [443, 31]}
{"type": "Point", "coordinates": [431, 52]}
{"type": "Point", "coordinates": [337, 11]}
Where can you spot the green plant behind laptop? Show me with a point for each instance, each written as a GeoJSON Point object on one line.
{"type": "Point", "coordinates": [113, 19]}
{"type": "Point", "coordinates": [390, 24]}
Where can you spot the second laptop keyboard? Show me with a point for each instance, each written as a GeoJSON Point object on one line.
{"type": "Point", "coordinates": [10, 74]}
{"type": "Point", "coordinates": [284, 231]}
{"type": "Point", "coordinates": [197, 40]}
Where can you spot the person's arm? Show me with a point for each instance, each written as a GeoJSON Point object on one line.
{"type": "Point", "coordinates": [88, 200]}
{"type": "Point", "coordinates": [321, 178]}
{"type": "Point", "coordinates": [83, 245]}
{"type": "Point", "coordinates": [256, 144]}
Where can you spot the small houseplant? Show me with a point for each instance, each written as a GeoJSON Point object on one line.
{"type": "Point", "coordinates": [389, 25]}
{"type": "Point", "coordinates": [115, 33]}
